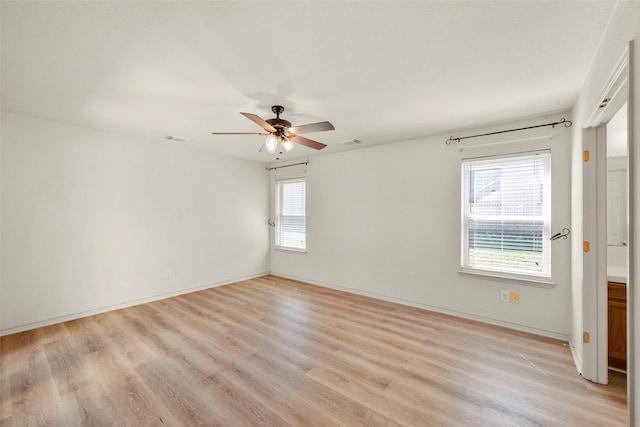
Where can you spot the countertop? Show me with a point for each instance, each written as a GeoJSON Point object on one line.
{"type": "Point", "coordinates": [617, 274]}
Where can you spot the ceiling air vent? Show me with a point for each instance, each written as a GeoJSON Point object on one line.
{"type": "Point", "coordinates": [174, 138]}
{"type": "Point", "coordinates": [351, 142]}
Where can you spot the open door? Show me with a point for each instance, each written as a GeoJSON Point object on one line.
{"type": "Point", "coordinates": [593, 272]}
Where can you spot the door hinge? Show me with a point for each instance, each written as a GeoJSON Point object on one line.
{"type": "Point", "coordinates": [585, 246]}
{"type": "Point", "coordinates": [586, 338]}
{"type": "Point", "coordinates": [585, 155]}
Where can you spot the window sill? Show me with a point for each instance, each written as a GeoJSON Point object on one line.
{"type": "Point", "coordinates": [530, 280]}
{"type": "Point", "coordinates": [289, 249]}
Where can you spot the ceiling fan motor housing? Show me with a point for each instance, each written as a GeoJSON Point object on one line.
{"type": "Point", "coordinates": [278, 123]}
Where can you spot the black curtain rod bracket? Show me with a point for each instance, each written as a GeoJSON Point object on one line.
{"type": "Point", "coordinates": [565, 122]}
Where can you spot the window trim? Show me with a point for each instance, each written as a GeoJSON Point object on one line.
{"type": "Point", "coordinates": [278, 197]}
{"type": "Point", "coordinates": [534, 280]}
{"type": "Point", "coordinates": [539, 280]}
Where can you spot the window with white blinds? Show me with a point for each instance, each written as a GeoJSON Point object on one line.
{"type": "Point", "coordinates": [291, 224]}
{"type": "Point", "coordinates": [506, 212]}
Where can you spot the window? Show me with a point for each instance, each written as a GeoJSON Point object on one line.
{"type": "Point", "coordinates": [506, 206]}
{"type": "Point", "coordinates": [291, 226]}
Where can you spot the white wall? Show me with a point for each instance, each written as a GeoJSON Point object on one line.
{"type": "Point", "coordinates": [624, 27]}
{"type": "Point", "coordinates": [91, 221]}
{"type": "Point", "coordinates": [634, 231]}
{"type": "Point", "coordinates": [385, 221]}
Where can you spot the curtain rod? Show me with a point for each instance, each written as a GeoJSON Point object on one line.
{"type": "Point", "coordinates": [306, 162]}
{"type": "Point", "coordinates": [567, 124]}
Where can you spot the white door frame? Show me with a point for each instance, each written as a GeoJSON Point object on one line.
{"type": "Point", "coordinates": [618, 89]}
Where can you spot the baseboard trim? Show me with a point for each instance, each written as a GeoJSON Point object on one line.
{"type": "Point", "coordinates": [468, 316]}
{"type": "Point", "coordinates": [577, 358]}
{"type": "Point", "coordinates": [126, 304]}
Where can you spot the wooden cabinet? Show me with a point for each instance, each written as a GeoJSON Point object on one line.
{"type": "Point", "coordinates": [617, 305]}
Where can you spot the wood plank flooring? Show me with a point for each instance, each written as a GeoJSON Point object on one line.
{"type": "Point", "coordinates": [276, 352]}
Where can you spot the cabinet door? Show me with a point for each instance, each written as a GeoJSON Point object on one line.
{"type": "Point", "coordinates": [617, 333]}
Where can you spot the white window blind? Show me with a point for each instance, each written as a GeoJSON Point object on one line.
{"type": "Point", "coordinates": [291, 227]}
{"type": "Point", "coordinates": [506, 211]}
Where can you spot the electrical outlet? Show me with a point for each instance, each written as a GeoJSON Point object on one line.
{"type": "Point", "coordinates": [504, 296]}
{"type": "Point", "coordinates": [514, 297]}
{"type": "Point", "coordinates": [167, 274]}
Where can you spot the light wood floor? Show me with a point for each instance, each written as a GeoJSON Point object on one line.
{"type": "Point", "coordinates": [275, 352]}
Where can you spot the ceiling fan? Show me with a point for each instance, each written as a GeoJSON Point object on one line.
{"type": "Point", "coordinates": [281, 135]}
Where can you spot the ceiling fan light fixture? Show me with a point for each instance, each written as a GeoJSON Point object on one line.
{"type": "Point", "coordinates": [287, 144]}
{"type": "Point", "coordinates": [271, 144]}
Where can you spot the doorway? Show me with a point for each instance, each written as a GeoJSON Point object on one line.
{"type": "Point", "coordinates": [595, 304]}
{"type": "Point", "coordinates": [617, 201]}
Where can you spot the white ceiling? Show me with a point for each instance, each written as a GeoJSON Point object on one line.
{"type": "Point", "coordinates": [380, 71]}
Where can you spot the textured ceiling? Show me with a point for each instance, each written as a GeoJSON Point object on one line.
{"type": "Point", "coordinates": [381, 72]}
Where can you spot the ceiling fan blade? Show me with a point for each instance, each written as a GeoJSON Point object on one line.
{"type": "Point", "coordinates": [257, 120]}
{"type": "Point", "coordinates": [239, 133]}
{"type": "Point", "coordinates": [308, 142]}
{"type": "Point", "coordinates": [312, 127]}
